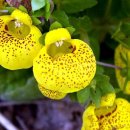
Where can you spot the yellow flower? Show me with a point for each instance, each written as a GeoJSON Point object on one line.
{"type": "Point", "coordinates": [115, 117]}
{"type": "Point", "coordinates": [65, 65]}
{"type": "Point", "coordinates": [121, 53]}
{"type": "Point", "coordinates": [51, 94]}
{"type": "Point", "coordinates": [19, 41]}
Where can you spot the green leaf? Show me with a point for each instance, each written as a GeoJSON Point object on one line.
{"type": "Point", "coordinates": [125, 28]}
{"type": "Point", "coordinates": [47, 5]}
{"type": "Point", "coordinates": [23, 91]}
{"type": "Point", "coordinates": [75, 22]}
{"type": "Point", "coordinates": [42, 39]}
{"type": "Point", "coordinates": [38, 13]}
{"type": "Point", "coordinates": [83, 95]}
{"type": "Point", "coordinates": [98, 11]}
{"type": "Point", "coordinates": [35, 20]}
{"type": "Point", "coordinates": [43, 12]}
{"type": "Point", "coordinates": [61, 17]}
{"type": "Point", "coordinates": [100, 86]}
{"type": "Point", "coordinates": [18, 85]}
{"type": "Point", "coordinates": [94, 44]}
{"type": "Point", "coordinates": [47, 9]}
{"type": "Point", "coordinates": [10, 9]}
{"type": "Point", "coordinates": [122, 10]}
{"type": "Point", "coordinates": [71, 30]}
{"type": "Point", "coordinates": [81, 24]}
{"type": "Point", "coordinates": [55, 25]}
{"type": "Point", "coordinates": [95, 95]}
{"type": "Point", "coordinates": [23, 9]}
{"type": "Point", "coordinates": [73, 96]}
{"type": "Point", "coordinates": [85, 23]}
{"type": "Point", "coordinates": [103, 83]}
{"type": "Point", "coordinates": [74, 6]}
{"type": "Point", "coordinates": [37, 4]}
{"type": "Point", "coordinates": [99, 69]}
{"type": "Point", "coordinates": [126, 7]}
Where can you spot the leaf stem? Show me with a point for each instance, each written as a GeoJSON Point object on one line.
{"type": "Point", "coordinates": [108, 65]}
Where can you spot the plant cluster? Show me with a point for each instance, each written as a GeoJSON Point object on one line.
{"type": "Point", "coordinates": [75, 48]}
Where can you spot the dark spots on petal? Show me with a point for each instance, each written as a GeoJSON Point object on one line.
{"type": "Point", "coordinates": [73, 49]}
{"type": "Point", "coordinates": [6, 27]}
{"type": "Point", "coordinates": [69, 72]}
{"type": "Point", "coordinates": [101, 117]}
{"type": "Point", "coordinates": [8, 35]}
{"type": "Point", "coordinates": [39, 56]}
{"type": "Point", "coordinates": [108, 114]}
{"type": "Point", "coordinates": [12, 46]}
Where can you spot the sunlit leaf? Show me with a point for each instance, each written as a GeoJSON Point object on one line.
{"type": "Point", "coordinates": [37, 4]}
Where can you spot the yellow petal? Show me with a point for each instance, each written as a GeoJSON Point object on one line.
{"type": "Point", "coordinates": [90, 121]}
{"type": "Point", "coordinates": [22, 16]}
{"type": "Point", "coordinates": [17, 53]}
{"type": "Point", "coordinates": [122, 50]}
{"type": "Point", "coordinates": [108, 100]}
{"type": "Point", "coordinates": [51, 94]}
{"type": "Point", "coordinates": [67, 73]}
{"type": "Point", "coordinates": [118, 118]}
{"type": "Point", "coordinates": [127, 128]}
{"type": "Point", "coordinates": [56, 35]}
{"type": "Point", "coordinates": [109, 118]}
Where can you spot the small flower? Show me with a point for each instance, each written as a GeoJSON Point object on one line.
{"type": "Point", "coordinates": [115, 117]}
{"type": "Point", "coordinates": [19, 41]}
{"type": "Point", "coordinates": [122, 59]}
{"type": "Point", "coordinates": [65, 65]}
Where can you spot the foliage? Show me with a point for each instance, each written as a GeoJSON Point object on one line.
{"type": "Point", "coordinates": [102, 24]}
{"type": "Point", "coordinates": [18, 85]}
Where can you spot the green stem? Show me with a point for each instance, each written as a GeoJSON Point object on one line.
{"type": "Point", "coordinates": [108, 9]}
{"type": "Point", "coordinates": [58, 4]}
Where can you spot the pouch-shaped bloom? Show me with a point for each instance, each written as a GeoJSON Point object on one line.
{"type": "Point", "coordinates": [19, 40]}
{"type": "Point", "coordinates": [122, 59]}
{"type": "Point", "coordinates": [64, 64]}
{"type": "Point", "coordinates": [115, 117]}
{"type": "Point", "coordinates": [51, 94]}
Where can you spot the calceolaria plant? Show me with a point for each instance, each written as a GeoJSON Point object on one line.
{"type": "Point", "coordinates": [115, 115]}
{"type": "Point", "coordinates": [19, 40]}
{"type": "Point", "coordinates": [122, 58]}
{"type": "Point", "coordinates": [64, 65]}
{"type": "Point", "coordinates": [78, 48]}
